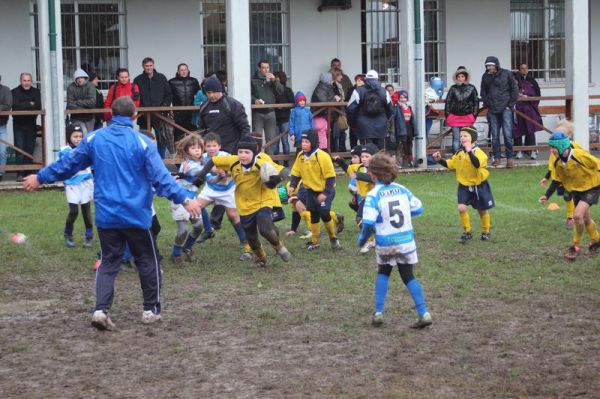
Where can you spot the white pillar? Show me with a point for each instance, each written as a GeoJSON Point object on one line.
{"type": "Point", "coordinates": [577, 66]}
{"type": "Point", "coordinates": [45, 78]}
{"type": "Point", "coordinates": [59, 91]}
{"type": "Point", "coordinates": [237, 17]}
{"type": "Point", "coordinates": [418, 90]}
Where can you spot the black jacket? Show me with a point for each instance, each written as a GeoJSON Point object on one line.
{"type": "Point", "coordinates": [498, 90]}
{"type": "Point", "coordinates": [462, 100]}
{"type": "Point", "coordinates": [26, 100]}
{"type": "Point", "coordinates": [154, 92]}
{"type": "Point", "coordinates": [323, 93]}
{"type": "Point", "coordinates": [183, 90]}
{"type": "Point", "coordinates": [282, 115]}
{"type": "Point", "coordinates": [369, 126]}
{"type": "Point", "coordinates": [226, 117]}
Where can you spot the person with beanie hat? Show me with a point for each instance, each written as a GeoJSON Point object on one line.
{"type": "Point", "coordinates": [462, 105]}
{"type": "Point", "coordinates": [470, 165]}
{"type": "Point", "coordinates": [81, 94]}
{"type": "Point", "coordinates": [301, 119]}
{"type": "Point", "coordinates": [579, 172]}
{"type": "Point", "coordinates": [315, 168]}
{"type": "Point", "coordinates": [499, 93]}
{"type": "Point", "coordinates": [79, 190]}
{"type": "Point", "coordinates": [254, 198]}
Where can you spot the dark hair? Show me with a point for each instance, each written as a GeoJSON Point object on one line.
{"type": "Point", "coordinates": [360, 76]}
{"type": "Point", "coordinates": [383, 167]}
{"type": "Point", "coordinates": [262, 62]}
{"type": "Point", "coordinates": [211, 136]}
{"type": "Point", "coordinates": [389, 85]}
{"type": "Point", "coordinates": [147, 60]}
{"type": "Point", "coordinates": [123, 106]}
{"type": "Point", "coordinates": [121, 70]}
{"type": "Point", "coordinates": [335, 60]}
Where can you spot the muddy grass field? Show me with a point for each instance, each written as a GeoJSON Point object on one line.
{"type": "Point", "coordinates": [511, 318]}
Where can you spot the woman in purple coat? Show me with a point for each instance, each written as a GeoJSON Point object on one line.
{"type": "Point", "coordinates": [528, 87]}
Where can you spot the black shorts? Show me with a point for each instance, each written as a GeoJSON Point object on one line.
{"type": "Point", "coordinates": [590, 196]}
{"type": "Point", "coordinates": [249, 221]}
{"type": "Point", "coordinates": [567, 195]}
{"type": "Point", "coordinates": [314, 205]}
{"type": "Point", "coordinates": [479, 197]}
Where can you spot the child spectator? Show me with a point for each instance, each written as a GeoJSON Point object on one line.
{"type": "Point", "coordinates": [470, 164]}
{"type": "Point", "coordinates": [190, 148]}
{"type": "Point", "coordinates": [79, 190]}
{"type": "Point", "coordinates": [411, 131]}
{"type": "Point", "coordinates": [321, 127]}
{"type": "Point", "coordinates": [579, 172]}
{"type": "Point", "coordinates": [315, 168]}
{"type": "Point", "coordinates": [400, 132]}
{"type": "Point", "coordinates": [388, 212]}
{"type": "Point", "coordinates": [301, 119]}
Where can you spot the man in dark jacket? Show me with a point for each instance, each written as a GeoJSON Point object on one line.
{"type": "Point", "coordinates": [223, 115]}
{"type": "Point", "coordinates": [155, 92]}
{"type": "Point", "coordinates": [369, 109]}
{"type": "Point", "coordinates": [499, 93]}
{"type": "Point", "coordinates": [25, 98]}
{"type": "Point", "coordinates": [263, 87]}
{"type": "Point", "coordinates": [184, 88]}
{"type": "Point", "coordinates": [5, 105]}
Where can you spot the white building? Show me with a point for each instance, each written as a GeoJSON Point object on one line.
{"type": "Point", "coordinates": [102, 35]}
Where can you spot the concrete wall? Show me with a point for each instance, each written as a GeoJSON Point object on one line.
{"type": "Point", "coordinates": [15, 41]}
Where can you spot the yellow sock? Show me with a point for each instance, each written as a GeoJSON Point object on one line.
{"type": "Point", "coordinates": [486, 222]}
{"type": "Point", "coordinates": [333, 217]}
{"type": "Point", "coordinates": [247, 248]}
{"type": "Point", "coordinates": [465, 220]}
{"type": "Point", "coordinates": [260, 254]}
{"type": "Point", "coordinates": [570, 205]}
{"type": "Point", "coordinates": [330, 227]}
{"type": "Point", "coordinates": [315, 230]}
{"type": "Point", "coordinates": [306, 217]}
{"type": "Point", "coordinates": [592, 231]}
{"type": "Point", "coordinates": [577, 234]}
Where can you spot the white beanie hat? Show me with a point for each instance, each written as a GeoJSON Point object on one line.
{"type": "Point", "coordinates": [80, 73]}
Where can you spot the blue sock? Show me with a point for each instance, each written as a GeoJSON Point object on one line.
{"type": "Point", "coordinates": [240, 232]}
{"type": "Point", "coordinates": [176, 250]}
{"type": "Point", "coordinates": [206, 221]}
{"type": "Point", "coordinates": [127, 253]}
{"type": "Point", "coordinates": [416, 292]}
{"type": "Point", "coordinates": [381, 287]}
{"type": "Point", "coordinates": [89, 233]}
{"type": "Point", "coordinates": [68, 231]}
{"type": "Point", "coordinates": [189, 242]}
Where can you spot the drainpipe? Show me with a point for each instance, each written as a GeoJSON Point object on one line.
{"type": "Point", "coordinates": [419, 93]}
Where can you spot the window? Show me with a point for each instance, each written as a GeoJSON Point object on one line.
{"type": "Point", "coordinates": [269, 34]}
{"type": "Point", "coordinates": [93, 38]}
{"type": "Point", "coordinates": [381, 38]}
{"type": "Point", "coordinates": [538, 37]}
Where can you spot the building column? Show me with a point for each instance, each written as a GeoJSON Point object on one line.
{"type": "Point", "coordinates": [577, 66]}
{"type": "Point", "coordinates": [237, 17]}
{"type": "Point", "coordinates": [417, 83]}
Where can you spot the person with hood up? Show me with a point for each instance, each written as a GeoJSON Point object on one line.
{"type": "Point", "coordinates": [462, 104]}
{"type": "Point", "coordinates": [499, 93]}
{"type": "Point", "coordinates": [81, 94]}
{"type": "Point", "coordinates": [369, 109]}
{"type": "Point", "coordinates": [301, 119]}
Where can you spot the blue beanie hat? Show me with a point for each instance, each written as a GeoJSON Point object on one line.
{"type": "Point", "coordinates": [213, 84]}
{"type": "Point", "coordinates": [560, 141]}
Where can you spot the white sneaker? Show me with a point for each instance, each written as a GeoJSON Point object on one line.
{"type": "Point", "coordinates": [284, 254]}
{"type": "Point", "coordinates": [367, 247]}
{"type": "Point", "coordinates": [101, 321]}
{"type": "Point", "coordinates": [534, 154]}
{"type": "Point", "coordinates": [149, 317]}
{"type": "Point", "coordinates": [246, 256]}
{"type": "Point", "coordinates": [519, 155]}
{"type": "Point", "coordinates": [377, 319]}
{"type": "Point", "coordinates": [423, 321]}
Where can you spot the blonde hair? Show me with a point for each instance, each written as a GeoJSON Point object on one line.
{"type": "Point", "coordinates": [567, 127]}
{"type": "Point", "coordinates": [383, 167]}
{"type": "Point", "coordinates": [187, 142]}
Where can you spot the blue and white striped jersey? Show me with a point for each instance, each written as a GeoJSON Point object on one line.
{"type": "Point", "coordinates": [83, 174]}
{"type": "Point", "coordinates": [213, 180]}
{"type": "Point", "coordinates": [194, 168]}
{"type": "Point", "coordinates": [389, 209]}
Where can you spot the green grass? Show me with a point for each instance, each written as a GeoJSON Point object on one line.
{"type": "Point", "coordinates": [508, 314]}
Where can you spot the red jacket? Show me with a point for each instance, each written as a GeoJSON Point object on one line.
{"type": "Point", "coordinates": [118, 90]}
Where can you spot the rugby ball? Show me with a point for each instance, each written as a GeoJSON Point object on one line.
{"type": "Point", "coordinates": [18, 238]}
{"type": "Point", "coordinates": [267, 170]}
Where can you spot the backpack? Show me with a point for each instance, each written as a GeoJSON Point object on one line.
{"type": "Point", "coordinates": [372, 103]}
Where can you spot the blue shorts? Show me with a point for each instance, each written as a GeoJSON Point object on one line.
{"type": "Point", "coordinates": [479, 197]}
{"type": "Point", "coordinates": [314, 205]}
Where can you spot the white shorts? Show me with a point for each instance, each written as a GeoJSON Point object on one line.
{"type": "Point", "coordinates": [225, 198]}
{"type": "Point", "coordinates": [80, 193]}
{"type": "Point", "coordinates": [179, 213]}
{"type": "Point", "coordinates": [398, 259]}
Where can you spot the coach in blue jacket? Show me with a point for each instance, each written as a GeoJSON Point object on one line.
{"type": "Point", "coordinates": [127, 167]}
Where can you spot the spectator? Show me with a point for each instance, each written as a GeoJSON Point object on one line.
{"type": "Point", "coordinates": [282, 115]}
{"type": "Point", "coordinates": [123, 87]}
{"type": "Point", "coordinates": [155, 92]}
{"type": "Point", "coordinates": [528, 87]}
{"type": "Point", "coordinates": [98, 118]}
{"type": "Point", "coordinates": [359, 80]}
{"type": "Point", "coordinates": [81, 94]}
{"type": "Point", "coordinates": [264, 86]}
{"type": "Point", "coordinates": [390, 89]}
{"type": "Point", "coordinates": [345, 81]}
{"type": "Point", "coordinates": [184, 88]}
{"type": "Point", "coordinates": [223, 115]}
{"type": "Point", "coordinates": [324, 93]}
{"type": "Point", "coordinates": [370, 108]}
{"type": "Point", "coordinates": [338, 134]}
{"type": "Point", "coordinates": [5, 105]}
{"type": "Point", "coordinates": [462, 104]}
{"type": "Point", "coordinates": [25, 98]}
{"type": "Point", "coordinates": [126, 169]}
{"type": "Point", "coordinates": [301, 119]}
{"type": "Point", "coordinates": [499, 93]}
